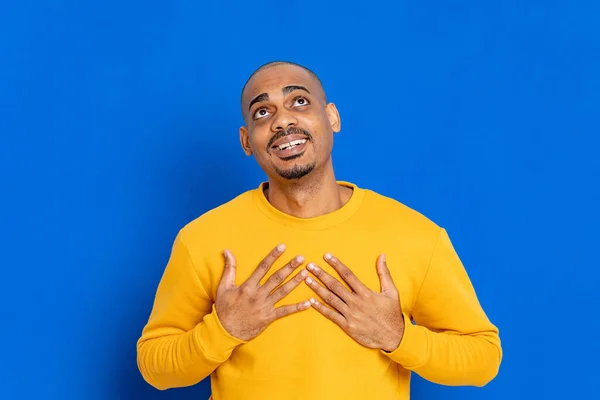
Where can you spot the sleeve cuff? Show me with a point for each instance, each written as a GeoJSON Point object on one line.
{"type": "Point", "coordinates": [214, 340]}
{"type": "Point", "coordinates": [413, 348]}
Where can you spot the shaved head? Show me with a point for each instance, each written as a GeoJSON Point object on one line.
{"type": "Point", "coordinates": [274, 64]}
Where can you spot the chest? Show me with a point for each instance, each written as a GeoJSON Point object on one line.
{"type": "Point", "coordinates": [356, 249]}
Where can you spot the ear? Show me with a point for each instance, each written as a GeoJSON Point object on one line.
{"type": "Point", "coordinates": [245, 141]}
{"type": "Point", "coordinates": [334, 117]}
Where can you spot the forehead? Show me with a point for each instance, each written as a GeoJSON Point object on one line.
{"type": "Point", "coordinates": [272, 79]}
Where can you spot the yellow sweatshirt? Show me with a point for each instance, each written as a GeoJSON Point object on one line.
{"type": "Point", "coordinates": [305, 355]}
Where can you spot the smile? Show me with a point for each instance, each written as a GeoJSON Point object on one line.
{"type": "Point", "coordinates": [291, 144]}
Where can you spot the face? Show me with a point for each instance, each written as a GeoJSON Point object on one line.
{"type": "Point", "coordinates": [289, 126]}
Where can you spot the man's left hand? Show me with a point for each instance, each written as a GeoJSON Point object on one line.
{"type": "Point", "coordinates": [373, 319]}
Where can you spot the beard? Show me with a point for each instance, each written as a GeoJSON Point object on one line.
{"type": "Point", "coordinates": [296, 172]}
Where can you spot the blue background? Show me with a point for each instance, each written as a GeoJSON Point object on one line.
{"type": "Point", "coordinates": [119, 124]}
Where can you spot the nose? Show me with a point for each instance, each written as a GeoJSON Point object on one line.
{"type": "Point", "coordinates": [282, 121]}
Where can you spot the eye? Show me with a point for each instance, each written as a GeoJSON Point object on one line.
{"type": "Point", "coordinates": [300, 101]}
{"type": "Point", "coordinates": [260, 113]}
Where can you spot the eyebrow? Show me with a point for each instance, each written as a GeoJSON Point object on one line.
{"type": "Point", "coordinates": [289, 89]}
{"type": "Point", "coordinates": [286, 90]}
{"type": "Point", "coordinates": [260, 97]}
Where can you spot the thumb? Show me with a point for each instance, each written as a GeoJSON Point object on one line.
{"type": "Point", "coordinates": [385, 278]}
{"type": "Point", "coordinates": [228, 278]}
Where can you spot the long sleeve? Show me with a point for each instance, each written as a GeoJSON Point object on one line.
{"type": "Point", "coordinates": [183, 341]}
{"type": "Point", "coordinates": [452, 341]}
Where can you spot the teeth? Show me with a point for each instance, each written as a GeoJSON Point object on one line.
{"type": "Point", "coordinates": [291, 144]}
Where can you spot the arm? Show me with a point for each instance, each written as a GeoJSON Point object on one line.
{"type": "Point", "coordinates": [453, 342]}
{"type": "Point", "coordinates": [183, 341]}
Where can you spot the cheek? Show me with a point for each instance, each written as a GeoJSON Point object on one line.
{"type": "Point", "coordinates": [325, 124]}
{"type": "Point", "coordinates": [316, 125]}
{"type": "Point", "coordinates": [259, 147]}
{"type": "Point", "coordinates": [258, 140]}
{"type": "Point", "coordinates": [321, 129]}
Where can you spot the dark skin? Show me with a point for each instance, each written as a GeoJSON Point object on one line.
{"type": "Point", "coordinates": [279, 101]}
{"type": "Point", "coordinates": [317, 192]}
{"type": "Point", "coordinates": [246, 310]}
{"type": "Point", "coordinates": [373, 319]}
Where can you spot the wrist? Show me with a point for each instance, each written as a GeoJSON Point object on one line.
{"type": "Point", "coordinates": [394, 343]}
{"type": "Point", "coordinates": [395, 338]}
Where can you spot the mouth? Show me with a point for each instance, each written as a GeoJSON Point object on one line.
{"type": "Point", "coordinates": [289, 147]}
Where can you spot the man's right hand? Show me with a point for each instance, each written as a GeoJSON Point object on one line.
{"type": "Point", "coordinates": [246, 310]}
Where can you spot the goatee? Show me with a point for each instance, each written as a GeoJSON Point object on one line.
{"type": "Point", "coordinates": [296, 172]}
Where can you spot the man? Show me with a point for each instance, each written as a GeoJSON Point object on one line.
{"type": "Point", "coordinates": [308, 287]}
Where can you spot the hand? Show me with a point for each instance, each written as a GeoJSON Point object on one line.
{"type": "Point", "coordinates": [373, 319]}
{"type": "Point", "coordinates": [246, 310]}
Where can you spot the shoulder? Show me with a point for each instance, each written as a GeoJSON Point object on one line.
{"type": "Point", "coordinates": [218, 220]}
{"type": "Point", "coordinates": [399, 217]}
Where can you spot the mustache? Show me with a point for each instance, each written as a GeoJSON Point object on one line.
{"type": "Point", "coordinates": [289, 131]}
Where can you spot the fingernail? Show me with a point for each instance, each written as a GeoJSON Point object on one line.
{"type": "Point", "coordinates": [327, 256]}
{"type": "Point", "coordinates": [313, 301]}
{"type": "Point", "coordinates": [300, 259]}
{"type": "Point", "coordinates": [311, 266]}
{"type": "Point", "coordinates": [309, 280]}
{"type": "Point", "coordinates": [303, 273]}
{"type": "Point", "coordinates": [281, 247]}
{"type": "Point", "coordinates": [307, 304]}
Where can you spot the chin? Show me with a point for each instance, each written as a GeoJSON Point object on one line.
{"type": "Point", "coordinates": [296, 172]}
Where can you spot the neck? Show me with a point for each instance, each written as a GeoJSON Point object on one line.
{"type": "Point", "coordinates": [311, 196]}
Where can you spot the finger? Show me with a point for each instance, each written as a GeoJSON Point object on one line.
{"type": "Point", "coordinates": [228, 277]}
{"type": "Point", "coordinates": [328, 296]}
{"type": "Point", "coordinates": [329, 313]}
{"type": "Point", "coordinates": [284, 311]}
{"type": "Point", "coordinates": [265, 265]}
{"type": "Point", "coordinates": [333, 284]}
{"type": "Point", "coordinates": [279, 276]}
{"type": "Point", "coordinates": [346, 274]}
{"type": "Point", "coordinates": [385, 278]}
{"type": "Point", "coordinates": [287, 287]}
